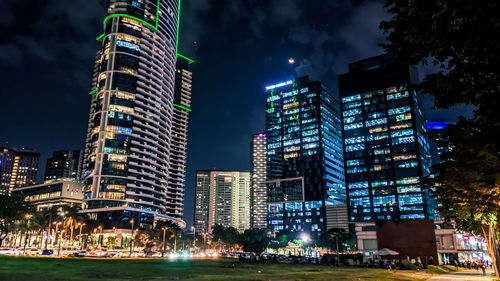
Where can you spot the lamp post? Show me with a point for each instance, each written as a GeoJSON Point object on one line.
{"type": "Point", "coordinates": [80, 235]}
{"type": "Point", "coordinates": [132, 237]}
{"type": "Point", "coordinates": [99, 242]}
{"type": "Point", "coordinates": [57, 223]}
{"type": "Point", "coordinates": [194, 237]}
{"type": "Point", "coordinates": [59, 247]}
{"type": "Point", "coordinates": [163, 252]}
{"type": "Point", "coordinates": [28, 217]}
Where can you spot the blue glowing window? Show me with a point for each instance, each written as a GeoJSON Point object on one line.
{"type": "Point", "coordinates": [351, 98]}
{"type": "Point", "coordinates": [354, 140]}
{"type": "Point", "coordinates": [355, 147]}
{"type": "Point", "coordinates": [352, 112]}
{"type": "Point", "coordinates": [126, 44]}
{"type": "Point", "coordinates": [362, 184]}
{"type": "Point", "coordinates": [380, 121]}
{"type": "Point", "coordinates": [403, 140]}
{"type": "Point", "coordinates": [359, 193]}
{"type": "Point", "coordinates": [355, 170]}
{"type": "Point", "coordinates": [384, 200]}
{"type": "Point", "coordinates": [353, 126]}
{"type": "Point", "coordinates": [398, 110]}
{"type": "Point", "coordinates": [364, 202]}
{"type": "Point", "coordinates": [402, 133]}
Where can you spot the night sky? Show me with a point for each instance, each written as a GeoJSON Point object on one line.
{"type": "Point", "coordinates": [47, 50]}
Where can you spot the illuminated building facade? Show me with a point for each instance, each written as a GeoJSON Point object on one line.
{"type": "Point", "coordinates": [178, 145]}
{"type": "Point", "coordinates": [258, 190]}
{"type": "Point", "coordinates": [225, 200]}
{"type": "Point", "coordinates": [64, 164]}
{"type": "Point", "coordinates": [385, 148]}
{"type": "Point", "coordinates": [129, 139]}
{"type": "Point", "coordinates": [18, 167]}
{"type": "Point", "coordinates": [47, 195]}
{"type": "Point", "coordinates": [305, 166]}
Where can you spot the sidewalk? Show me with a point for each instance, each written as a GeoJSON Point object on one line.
{"type": "Point", "coordinates": [471, 275]}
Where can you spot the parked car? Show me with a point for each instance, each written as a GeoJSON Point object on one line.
{"type": "Point", "coordinates": [47, 252]}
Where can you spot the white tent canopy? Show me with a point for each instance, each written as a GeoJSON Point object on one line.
{"type": "Point", "coordinates": [386, 252]}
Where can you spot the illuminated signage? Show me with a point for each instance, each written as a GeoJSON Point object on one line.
{"type": "Point", "coordinates": [289, 82]}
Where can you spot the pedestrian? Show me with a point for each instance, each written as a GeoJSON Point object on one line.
{"type": "Point", "coordinates": [483, 267]}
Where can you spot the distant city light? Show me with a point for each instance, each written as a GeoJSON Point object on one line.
{"type": "Point", "coordinates": [262, 135]}
{"type": "Point", "coordinates": [437, 125]}
{"type": "Point", "coordinates": [289, 82]}
{"type": "Point", "coordinates": [291, 60]}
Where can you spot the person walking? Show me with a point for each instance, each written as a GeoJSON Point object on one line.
{"type": "Point", "coordinates": [483, 267]}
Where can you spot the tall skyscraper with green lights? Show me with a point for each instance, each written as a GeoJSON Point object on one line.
{"type": "Point", "coordinates": [128, 153]}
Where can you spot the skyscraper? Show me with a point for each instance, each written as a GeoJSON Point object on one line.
{"type": "Point", "coordinates": [181, 109]}
{"type": "Point", "coordinates": [258, 196]}
{"type": "Point", "coordinates": [222, 197]}
{"type": "Point", "coordinates": [129, 139]}
{"type": "Point", "coordinates": [305, 167]}
{"type": "Point", "coordinates": [18, 167]}
{"type": "Point", "coordinates": [64, 164]}
{"type": "Point", "coordinates": [385, 148]}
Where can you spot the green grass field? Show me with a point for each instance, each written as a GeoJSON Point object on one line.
{"type": "Point", "coordinates": [21, 268]}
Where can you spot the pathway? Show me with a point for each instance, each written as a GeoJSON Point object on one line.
{"type": "Point", "coordinates": [465, 275]}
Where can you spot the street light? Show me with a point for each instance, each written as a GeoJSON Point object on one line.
{"type": "Point", "coordinates": [80, 235]}
{"type": "Point", "coordinates": [28, 217]}
{"type": "Point", "coordinates": [132, 237]}
{"type": "Point", "coordinates": [59, 247]}
{"type": "Point", "coordinates": [163, 252]}
{"type": "Point", "coordinates": [194, 236]}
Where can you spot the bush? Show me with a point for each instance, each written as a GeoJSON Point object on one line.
{"type": "Point", "coordinates": [406, 265]}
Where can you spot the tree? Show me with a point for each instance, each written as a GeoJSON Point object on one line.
{"type": "Point", "coordinates": [341, 240]}
{"type": "Point", "coordinates": [12, 210]}
{"type": "Point", "coordinates": [456, 37]}
{"type": "Point", "coordinates": [255, 241]}
{"type": "Point", "coordinates": [227, 236]}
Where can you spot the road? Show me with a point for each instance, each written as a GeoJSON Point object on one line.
{"type": "Point", "coordinates": [466, 275]}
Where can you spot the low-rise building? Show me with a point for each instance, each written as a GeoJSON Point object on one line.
{"type": "Point", "coordinates": [53, 194]}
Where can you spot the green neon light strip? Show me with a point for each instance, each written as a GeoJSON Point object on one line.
{"type": "Point", "coordinates": [128, 16]}
{"type": "Point", "coordinates": [155, 27]}
{"type": "Point", "coordinates": [93, 91]}
{"type": "Point", "coordinates": [183, 107]}
{"type": "Point", "coordinates": [99, 37]}
{"type": "Point", "coordinates": [271, 110]}
{"type": "Point", "coordinates": [178, 20]}
{"type": "Point", "coordinates": [184, 57]}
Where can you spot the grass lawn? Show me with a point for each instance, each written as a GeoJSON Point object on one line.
{"type": "Point", "coordinates": [25, 268]}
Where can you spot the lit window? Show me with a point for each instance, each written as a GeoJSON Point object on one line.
{"type": "Point", "coordinates": [351, 98]}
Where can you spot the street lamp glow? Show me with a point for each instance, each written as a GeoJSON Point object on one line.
{"type": "Point", "coordinates": [305, 237]}
{"type": "Point", "coordinates": [291, 61]}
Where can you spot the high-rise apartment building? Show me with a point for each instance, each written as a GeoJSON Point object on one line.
{"type": "Point", "coordinates": [385, 147]}
{"type": "Point", "coordinates": [64, 164]}
{"type": "Point", "coordinates": [129, 139]}
{"type": "Point", "coordinates": [18, 167]}
{"type": "Point", "coordinates": [222, 197]}
{"type": "Point", "coordinates": [258, 196]}
{"type": "Point", "coordinates": [305, 166]}
{"type": "Point", "coordinates": [180, 117]}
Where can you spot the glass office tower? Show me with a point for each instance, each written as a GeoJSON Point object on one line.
{"type": "Point", "coordinates": [305, 168]}
{"type": "Point", "coordinates": [385, 148]}
{"type": "Point", "coordinates": [127, 153]}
